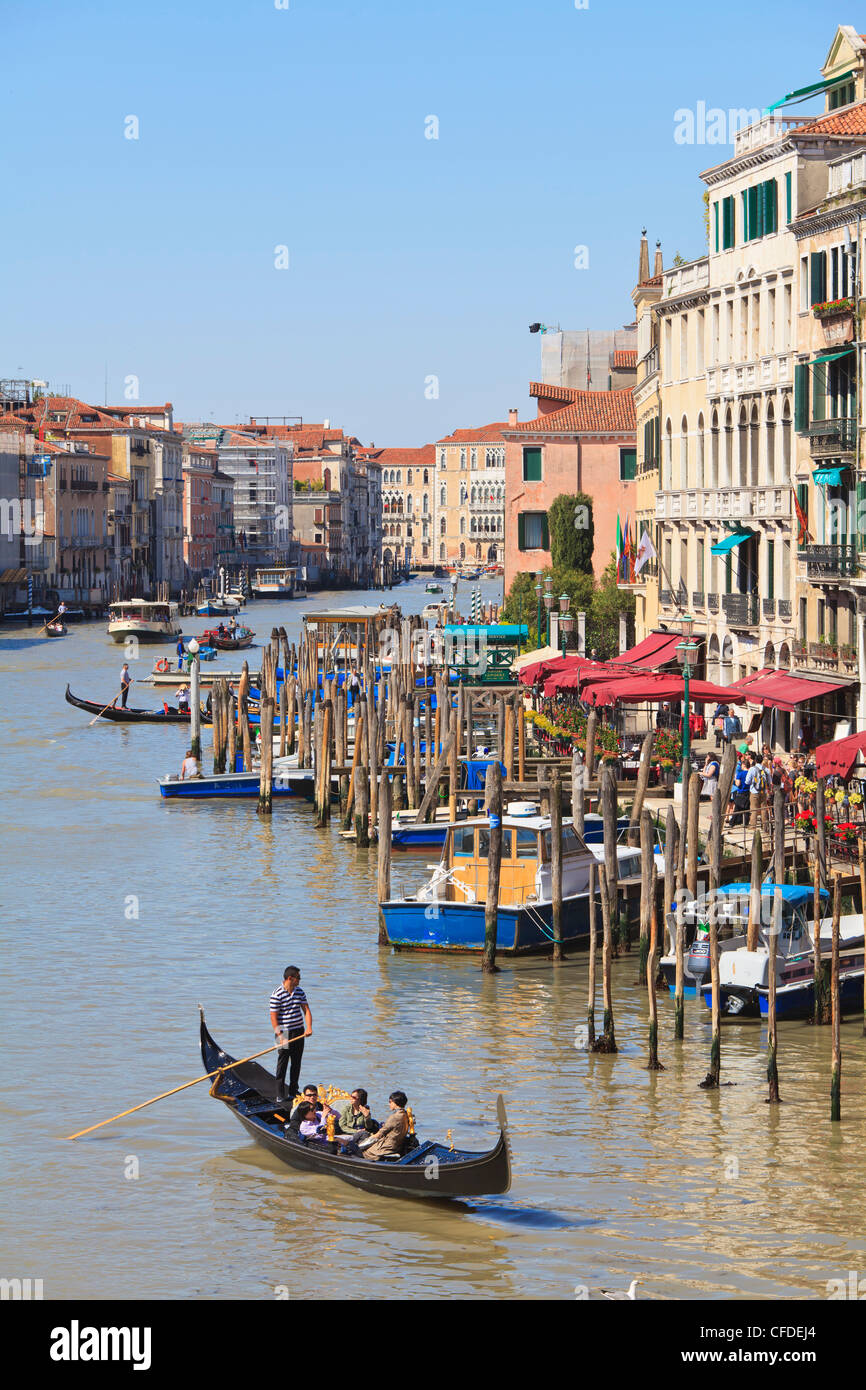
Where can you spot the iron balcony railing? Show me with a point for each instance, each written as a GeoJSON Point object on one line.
{"type": "Point", "coordinates": [830, 561]}
{"type": "Point", "coordinates": [829, 435]}
{"type": "Point", "coordinates": [741, 610]}
{"type": "Point", "coordinates": [713, 602]}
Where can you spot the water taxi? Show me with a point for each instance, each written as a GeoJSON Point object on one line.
{"type": "Point", "coordinates": [138, 617]}
{"type": "Point", "coordinates": [432, 588]}
{"type": "Point", "coordinates": [447, 912]}
{"type": "Point", "coordinates": [277, 581]}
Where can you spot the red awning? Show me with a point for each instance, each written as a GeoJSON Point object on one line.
{"type": "Point", "coordinates": [655, 650]}
{"type": "Point", "coordinates": [784, 691]}
{"type": "Point", "coordinates": [636, 689]}
{"type": "Point", "coordinates": [528, 675]}
{"type": "Point", "coordinates": [838, 757]}
{"type": "Point", "coordinates": [576, 674]}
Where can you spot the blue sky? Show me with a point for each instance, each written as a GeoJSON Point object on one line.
{"type": "Point", "coordinates": [305, 127]}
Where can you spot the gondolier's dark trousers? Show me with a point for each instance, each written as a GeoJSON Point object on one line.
{"type": "Point", "coordinates": [124, 695]}
{"type": "Point", "coordinates": [293, 1053]}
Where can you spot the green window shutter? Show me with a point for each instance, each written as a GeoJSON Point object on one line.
{"type": "Point", "coordinates": [771, 570]}
{"type": "Point", "coordinates": [861, 513]}
{"type": "Point", "coordinates": [747, 230]}
{"type": "Point", "coordinates": [716, 223]}
{"type": "Point", "coordinates": [787, 197]}
{"type": "Point", "coordinates": [728, 229]}
{"type": "Point", "coordinates": [521, 531]}
{"type": "Point", "coordinates": [755, 229]}
{"type": "Point", "coordinates": [819, 391]}
{"type": "Point", "coordinates": [801, 397]}
{"type": "Point", "coordinates": [728, 573]}
{"type": "Point", "coordinates": [803, 499]}
{"type": "Point", "coordinates": [545, 533]}
{"type": "Point", "coordinates": [771, 221]}
{"type": "Point", "coordinates": [627, 465]}
{"type": "Point", "coordinates": [532, 465]}
{"type": "Point", "coordinates": [818, 277]}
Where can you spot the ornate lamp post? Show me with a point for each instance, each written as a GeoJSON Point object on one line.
{"type": "Point", "coordinates": [687, 651]}
{"type": "Point", "coordinates": [548, 603]}
{"type": "Point", "coordinates": [194, 700]}
{"type": "Point", "coordinates": [538, 613]}
{"type": "Point", "coordinates": [566, 621]}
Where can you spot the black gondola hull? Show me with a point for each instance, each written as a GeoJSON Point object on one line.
{"type": "Point", "coordinates": [116, 714]}
{"type": "Point", "coordinates": [430, 1172]}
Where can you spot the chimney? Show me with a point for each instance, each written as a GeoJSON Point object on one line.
{"type": "Point", "coordinates": [512, 416]}
{"type": "Point", "coordinates": [657, 268]}
{"type": "Point", "coordinates": [326, 425]}
{"type": "Point", "coordinates": [643, 259]}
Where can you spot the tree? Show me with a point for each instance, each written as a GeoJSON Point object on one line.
{"type": "Point", "coordinates": [572, 532]}
{"type": "Point", "coordinates": [521, 603]}
{"type": "Point", "coordinates": [602, 620]}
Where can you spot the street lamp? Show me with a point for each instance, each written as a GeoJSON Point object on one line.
{"type": "Point", "coordinates": [548, 603]}
{"type": "Point", "coordinates": [566, 622]}
{"type": "Point", "coordinates": [194, 701]}
{"type": "Point", "coordinates": [538, 614]}
{"type": "Point", "coordinates": [687, 651]}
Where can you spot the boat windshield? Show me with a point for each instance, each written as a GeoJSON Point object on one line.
{"type": "Point", "coordinates": [571, 842]}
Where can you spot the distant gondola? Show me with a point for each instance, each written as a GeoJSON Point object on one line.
{"type": "Point", "coordinates": [428, 1170]}
{"type": "Point", "coordinates": [229, 641]}
{"type": "Point", "coordinates": [118, 715]}
{"type": "Point", "coordinates": [57, 629]}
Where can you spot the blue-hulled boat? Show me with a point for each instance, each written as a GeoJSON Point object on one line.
{"type": "Point", "coordinates": [297, 782]}
{"type": "Point", "coordinates": [744, 974]}
{"type": "Point", "coordinates": [447, 912]}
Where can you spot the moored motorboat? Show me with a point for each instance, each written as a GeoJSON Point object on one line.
{"type": "Point", "coordinates": [429, 1170]}
{"type": "Point", "coordinates": [295, 782]}
{"type": "Point", "coordinates": [140, 618]}
{"type": "Point", "coordinates": [116, 714]}
{"type": "Point", "coordinates": [219, 606]}
{"type": "Point", "coordinates": [447, 913]}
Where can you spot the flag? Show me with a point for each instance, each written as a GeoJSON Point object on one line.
{"type": "Point", "coordinates": [626, 554]}
{"type": "Point", "coordinates": [646, 551]}
{"type": "Point", "coordinates": [618, 548]}
{"type": "Point", "coordinates": [804, 535]}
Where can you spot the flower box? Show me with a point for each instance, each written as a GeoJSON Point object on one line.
{"type": "Point", "coordinates": [831, 307]}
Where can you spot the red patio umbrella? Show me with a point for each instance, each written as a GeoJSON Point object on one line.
{"type": "Point", "coordinates": [838, 757]}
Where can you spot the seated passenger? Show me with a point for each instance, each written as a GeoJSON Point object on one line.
{"type": "Point", "coordinates": [305, 1121]}
{"type": "Point", "coordinates": [392, 1134]}
{"type": "Point", "coordinates": [356, 1115]}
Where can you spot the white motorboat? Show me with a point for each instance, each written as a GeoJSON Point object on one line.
{"type": "Point", "coordinates": [145, 620]}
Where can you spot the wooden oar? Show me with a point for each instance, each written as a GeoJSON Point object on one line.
{"type": "Point", "coordinates": [45, 626]}
{"type": "Point", "coordinates": [105, 707]}
{"type": "Point", "coordinates": [184, 1087]}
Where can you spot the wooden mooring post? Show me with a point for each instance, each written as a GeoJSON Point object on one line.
{"type": "Point", "coordinates": [493, 799]}
{"type": "Point", "coordinates": [593, 945]}
{"type": "Point", "coordinates": [265, 806]}
{"type": "Point", "coordinates": [653, 1063]}
{"type": "Point", "coordinates": [383, 866]}
{"type": "Point", "coordinates": [556, 862]}
{"type": "Point", "coordinates": [607, 1041]}
{"type": "Point", "coordinates": [773, 1097]}
{"type": "Point", "coordinates": [836, 1008]}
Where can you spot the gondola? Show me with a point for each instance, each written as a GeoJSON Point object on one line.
{"type": "Point", "coordinates": [57, 629]}
{"type": "Point", "coordinates": [428, 1170]}
{"type": "Point", "coordinates": [228, 641]}
{"type": "Point", "coordinates": [118, 715]}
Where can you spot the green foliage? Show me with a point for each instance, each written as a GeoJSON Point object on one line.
{"type": "Point", "coordinates": [602, 603]}
{"type": "Point", "coordinates": [572, 531]}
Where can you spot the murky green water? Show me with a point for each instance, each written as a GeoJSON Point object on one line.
{"type": "Point", "coordinates": [617, 1173]}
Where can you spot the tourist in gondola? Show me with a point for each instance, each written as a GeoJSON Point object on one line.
{"type": "Point", "coordinates": [392, 1134]}
{"type": "Point", "coordinates": [291, 1018]}
{"type": "Point", "coordinates": [356, 1114]}
{"type": "Point", "coordinates": [182, 698]}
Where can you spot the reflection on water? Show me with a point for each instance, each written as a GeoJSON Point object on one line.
{"type": "Point", "coordinates": [126, 912]}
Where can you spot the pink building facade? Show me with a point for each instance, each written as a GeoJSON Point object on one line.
{"type": "Point", "coordinates": [581, 441]}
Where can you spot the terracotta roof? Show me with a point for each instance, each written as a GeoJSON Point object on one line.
{"type": "Point", "coordinates": [422, 457]}
{"type": "Point", "coordinates": [543, 391]}
{"type": "Point", "coordinates": [482, 434]}
{"type": "Point", "coordinates": [590, 412]}
{"type": "Point", "coordinates": [850, 120]}
{"type": "Point", "coordinates": [624, 357]}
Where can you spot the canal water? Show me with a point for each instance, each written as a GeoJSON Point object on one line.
{"type": "Point", "coordinates": [123, 912]}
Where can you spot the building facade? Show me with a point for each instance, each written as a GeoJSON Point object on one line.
{"type": "Point", "coordinates": [469, 496]}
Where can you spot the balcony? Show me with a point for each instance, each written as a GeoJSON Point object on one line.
{"type": "Point", "coordinates": [765, 131]}
{"type": "Point", "coordinates": [698, 598]}
{"type": "Point", "coordinates": [768, 608]}
{"type": "Point", "coordinates": [830, 561]}
{"type": "Point", "coordinates": [730, 378]}
{"type": "Point", "coordinates": [741, 610]}
{"type": "Point", "coordinates": [723, 504]}
{"type": "Point", "coordinates": [831, 438]}
{"type": "Point", "coordinates": [784, 607]}
{"type": "Point", "coordinates": [713, 603]}
{"type": "Point", "coordinates": [84, 485]}
{"type": "Point", "coordinates": [666, 598]}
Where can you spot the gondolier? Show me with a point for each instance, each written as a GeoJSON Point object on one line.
{"type": "Point", "coordinates": [125, 683]}
{"type": "Point", "coordinates": [290, 1017]}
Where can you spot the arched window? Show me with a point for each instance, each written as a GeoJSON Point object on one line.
{"type": "Point", "coordinates": [326, 479]}
{"type": "Point", "coordinates": [426, 476]}
{"type": "Point", "coordinates": [786, 438]}
{"type": "Point", "coordinates": [684, 452]}
{"type": "Point", "coordinates": [743, 448]}
{"type": "Point", "coordinates": [473, 526]}
{"type": "Point", "coordinates": [754, 436]}
{"type": "Point", "coordinates": [699, 453]}
{"type": "Point", "coordinates": [728, 478]}
{"type": "Point", "coordinates": [714, 450]}
{"type": "Point", "coordinates": [424, 507]}
{"type": "Point", "coordinates": [409, 502]}
{"type": "Point", "coordinates": [463, 525]}
{"type": "Point", "coordinates": [443, 496]}
{"type": "Point", "coordinates": [408, 476]}
{"type": "Point", "coordinates": [442, 551]}
{"type": "Point", "coordinates": [442, 527]}
{"type": "Point", "coordinates": [771, 443]}
{"type": "Point", "coordinates": [667, 462]}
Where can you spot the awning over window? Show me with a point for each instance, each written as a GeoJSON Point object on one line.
{"type": "Point", "coordinates": [724, 547]}
{"type": "Point", "coordinates": [830, 356]}
{"type": "Point", "coordinates": [828, 477]}
{"type": "Point", "coordinates": [655, 650]}
{"type": "Point", "coordinates": [812, 89]}
{"type": "Point", "coordinates": [784, 691]}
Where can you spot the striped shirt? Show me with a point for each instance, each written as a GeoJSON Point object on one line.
{"type": "Point", "coordinates": [289, 1009]}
